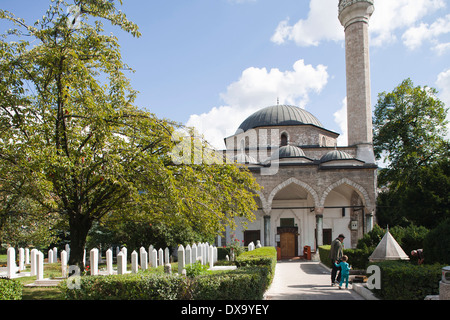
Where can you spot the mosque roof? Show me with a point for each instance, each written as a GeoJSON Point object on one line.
{"type": "Point", "coordinates": [279, 115]}
{"type": "Point", "coordinates": [336, 155]}
{"type": "Point", "coordinates": [288, 152]}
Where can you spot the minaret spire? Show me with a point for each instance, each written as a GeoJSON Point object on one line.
{"type": "Point", "coordinates": [354, 16]}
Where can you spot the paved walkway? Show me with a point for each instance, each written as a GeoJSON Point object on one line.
{"type": "Point", "coordinates": [305, 280]}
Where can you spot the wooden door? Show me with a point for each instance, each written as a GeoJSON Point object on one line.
{"type": "Point", "coordinates": [287, 244]}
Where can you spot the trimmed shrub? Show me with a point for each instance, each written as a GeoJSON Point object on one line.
{"type": "Point", "coordinates": [10, 289]}
{"type": "Point", "coordinates": [436, 246]}
{"type": "Point", "coordinates": [265, 257]}
{"type": "Point", "coordinates": [252, 278]}
{"type": "Point", "coordinates": [141, 286]}
{"type": "Point", "coordinates": [358, 258]}
{"type": "Point", "coordinates": [401, 280]}
{"type": "Point", "coordinates": [246, 283]}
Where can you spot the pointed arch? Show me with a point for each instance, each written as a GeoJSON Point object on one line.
{"type": "Point", "coordinates": [294, 181]}
{"type": "Point", "coordinates": [358, 188]}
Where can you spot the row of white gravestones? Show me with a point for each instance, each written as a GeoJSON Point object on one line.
{"type": "Point", "coordinates": [203, 252]}
{"type": "Point", "coordinates": [156, 258]}
{"type": "Point", "coordinates": [37, 262]}
{"type": "Point", "coordinates": [251, 246]}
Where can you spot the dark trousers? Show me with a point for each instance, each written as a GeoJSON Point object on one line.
{"type": "Point", "coordinates": [334, 271]}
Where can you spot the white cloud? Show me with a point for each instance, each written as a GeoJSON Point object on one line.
{"type": "Point", "coordinates": [340, 117]}
{"type": "Point", "coordinates": [414, 37]}
{"type": "Point", "coordinates": [322, 23]}
{"type": "Point", "coordinates": [258, 88]}
{"type": "Point", "coordinates": [443, 84]}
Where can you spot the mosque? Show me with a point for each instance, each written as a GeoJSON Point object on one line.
{"type": "Point", "coordinates": [313, 190]}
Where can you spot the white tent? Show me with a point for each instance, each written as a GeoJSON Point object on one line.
{"type": "Point", "coordinates": [388, 249]}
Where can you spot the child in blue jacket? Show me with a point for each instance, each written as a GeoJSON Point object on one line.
{"type": "Point", "coordinates": [345, 271]}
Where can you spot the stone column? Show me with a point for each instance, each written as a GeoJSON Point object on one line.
{"type": "Point", "coordinates": [267, 230]}
{"type": "Point", "coordinates": [319, 230]}
{"type": "Point", "coordinates": [369, 222]}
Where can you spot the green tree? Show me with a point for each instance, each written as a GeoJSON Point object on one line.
{"type": "Point", "coordinates": [70, 132]}
{"type": "Point", "coordinates": [409, 134]}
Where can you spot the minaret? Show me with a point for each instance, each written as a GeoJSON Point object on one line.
{"type": "Point", "coordinates": [354, 15]}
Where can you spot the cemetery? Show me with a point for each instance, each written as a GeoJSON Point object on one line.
{"type": "Point", "coordinates": [161, 275]}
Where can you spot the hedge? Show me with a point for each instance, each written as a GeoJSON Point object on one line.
{"type": "Point", "coordinates": [140, 286]}
{"type": "Point", "coordinates": [10, 289]}
{"type": "Point", "coordinates": [357, 258]}
{"type": "Point", "coordinates": [248, 282]}
{"type": "Point", "coordinates": [401, 280]}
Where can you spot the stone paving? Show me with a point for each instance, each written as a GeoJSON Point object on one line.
{"type": "Point", "coordinates": [306, 280]}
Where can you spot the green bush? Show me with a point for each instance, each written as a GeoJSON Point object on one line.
{"type": "Point", "coordinates": [401, 280]}
{"type": "Point", "coordinates": [141, 286]}
{"type": "Point", "coordinates": [246, 283]}
{"type": "Point", "coordinates": [357, 258]}
{"type": "Point", "coordinates": [195, 269]}
{"type": "Point", "coordinates": [10, 289]}
{"type": "Point", "coordinates": [436, 246]}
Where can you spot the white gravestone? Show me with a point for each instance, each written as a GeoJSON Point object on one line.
{"type": "Point", "coordinates": [181, 260]}
{"type": "Point", "coordinates": [188, 255]}
{"type": "Point", "coordinates": [64, 263]}
{"type": "Point", "coordinates": [154, 258]}
{"type": "Point", "coordinates": [144, 259]}
{"type": "Point", "coordinates": [39, 265]}
{"type": "Point", "coordinates": [33, 265]}
{"type": "Point", "coordinates": [134, 262]}
{"type": "Point", "coordinates": [94, 261]}
{"type": "Point", "coordinates": [11, 262]}
{"type": "Point", "coordinates": [166, 256]}
{"type": "Point", "coordinates": [161, 256]}
{"type": "Point", "coordinates": [21, 259]}
{"type": "Point", "coordinates": [121, 263]}
{"type": "Point", "coordinates": [109, 262]}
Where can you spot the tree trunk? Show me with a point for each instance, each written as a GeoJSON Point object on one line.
{"type": "Point", "coordinates": [79, 228]}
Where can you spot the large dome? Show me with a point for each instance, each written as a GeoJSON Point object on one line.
{"type": "Point", "coordinates": [279, 115]}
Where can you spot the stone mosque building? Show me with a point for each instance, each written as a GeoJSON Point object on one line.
{"type": "Point", "coordinates": [313, 190]}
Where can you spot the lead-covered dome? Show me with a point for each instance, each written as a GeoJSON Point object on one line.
{"type": "Point", "coordinates": [279, 115]}
{"type": "Point", "coordinates": [336, 155]}
{"type": "Point", "coordinates": [288, 152]}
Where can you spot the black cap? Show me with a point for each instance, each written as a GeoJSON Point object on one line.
{"type": "Point", "coordinates": [341, 236]}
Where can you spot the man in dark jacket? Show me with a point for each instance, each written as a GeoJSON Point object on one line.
{"type": "Point", "coordinates": [336, 253]}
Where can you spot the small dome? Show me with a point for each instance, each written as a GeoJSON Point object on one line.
{"type": "Point", "coordinates": [288, 152]}
{"type": "Point", "coordinates": [336, 155]}
{"type": "Point", "coordinates": [244, 158]}
{"type": "Point", "coordinates": [279, 115]}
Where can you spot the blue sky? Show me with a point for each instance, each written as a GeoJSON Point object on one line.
{"type": "Point", "coordinates": [211, 63]}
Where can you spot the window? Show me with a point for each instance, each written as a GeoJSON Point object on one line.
{"type": "Point", "coordinates": [287, 222]}
{"type": "Point", "coordinates": [284, 140]}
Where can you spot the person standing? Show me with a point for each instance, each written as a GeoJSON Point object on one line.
{"type": "Point", "coordinates": [336, 253]}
